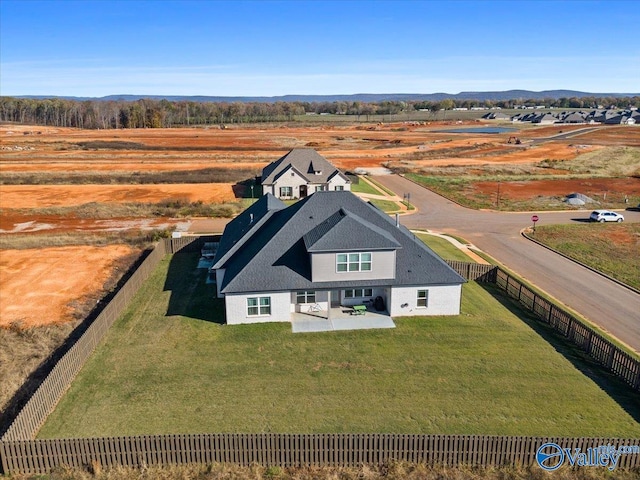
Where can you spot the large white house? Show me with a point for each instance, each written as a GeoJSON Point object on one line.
{"type": "Point", "coordinates": [329, 250]}
{"type": "Point", "coordinates": [301, 172]}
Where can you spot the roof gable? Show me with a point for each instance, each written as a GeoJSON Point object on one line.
{"type": "Point", "coordinates": [311, 166]}
{"type": "Point", "coordinates": [345, 231]}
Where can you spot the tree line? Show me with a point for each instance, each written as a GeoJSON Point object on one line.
{"type": "Point", "coordinates": [147, 113]}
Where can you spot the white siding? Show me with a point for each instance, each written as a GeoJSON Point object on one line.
{"type": "Point", "coordinates": [443, 300]}
{"type": "Point", "coordinates": [236, 308]}
{"type": "Point", "coordinates": [289, 178]}
{"type": "Point", "coordinates": [338, 180]}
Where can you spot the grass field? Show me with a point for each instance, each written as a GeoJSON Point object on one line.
{"type": "Point", "coordinates": [444, 248]}
{"type": "Point", "coordinates": [363, 186]}
{"type": "Point", "coordinates": [592, 245]}
{"type": "Point", "coordinates": [386, 206]}
{"type": "Point", "coordinates": [381, 471]}
{"type": "Point", "coordinates": [169, 366]}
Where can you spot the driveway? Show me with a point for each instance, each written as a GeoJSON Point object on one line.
{"type": "Point", "coordinates": [612, 307]}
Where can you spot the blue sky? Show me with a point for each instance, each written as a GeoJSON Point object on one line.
{"type": "Point", "coordinates": [267, 48]}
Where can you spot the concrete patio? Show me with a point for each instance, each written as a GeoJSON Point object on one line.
{"type": "Point", "coordinates": [340, 318]}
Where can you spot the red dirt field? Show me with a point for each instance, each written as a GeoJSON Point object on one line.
{"type": "Point", "coordinates": [37, 289]}
{"type": "Point", "coordinates": [30, 148]}
{"type": "Point", "coordinates": [15, 222]}
{"type": "Point", "coordinates": [36, 196]}
{"type": "Point", "coordinates": [40, 291]}
{"type": "Point", "coordinates": [550, 188]}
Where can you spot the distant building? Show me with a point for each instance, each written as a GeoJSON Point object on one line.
{"type": "Point", "coordinates": [300, 173]}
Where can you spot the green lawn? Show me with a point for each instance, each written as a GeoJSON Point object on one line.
{"type": "Point", "coordinates": [611, 249]}
{"type": "Point", "coordinates": [386, 206]}
{"type": "Point", "coordinates": [364, 187]}
{"type": "Point", "coordinates": [444, 248]}
{"type": "Point", "coordinates": [167, 367]}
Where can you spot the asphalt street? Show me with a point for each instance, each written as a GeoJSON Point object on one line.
{"type": "Point", "coordinates": [612, 307]}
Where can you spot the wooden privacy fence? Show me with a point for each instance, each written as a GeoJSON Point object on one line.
{"type": "Point", "coordinates": [43, 401]}
{"type": "Point", "coordinates": [291, 450]}
{"type": "Point", "coordinates": [19, 451]}
{"type": "Point", "coordinates": [604, 352]}
{"type": "Point", "coordinates": [474, 271]}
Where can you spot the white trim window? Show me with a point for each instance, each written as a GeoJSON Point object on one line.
{"type": "Point", "coordinates": [353, 262]}
{"type": "Point", "coordinates": [339, 188]}
{"type": "Point", "coordinates": [320, 188]}
{"type": "Point", "coordinates": [422, 299]}
{"type": "Point", "coordinates": [308, 296]}
{"type": "Point", "coordinates": [258, 306]}
{"type": "Point", "coordinates": [358, 293]}
{"type": "Point", "coordinates": [286, 191]}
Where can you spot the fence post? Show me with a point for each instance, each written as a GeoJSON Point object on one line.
{"type": "Point", "coordinates": [612, 352]}
{"type": "Point", "coordinates": [570, 329]}
{"type": "Point", "coordinates": [636, 382]}
{"type": "Point", "coordinates": [589, 340]}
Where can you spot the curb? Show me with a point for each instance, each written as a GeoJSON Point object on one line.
{"type": "Point", "coordinates": [523, 233]}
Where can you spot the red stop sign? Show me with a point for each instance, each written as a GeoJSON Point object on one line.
{"type": "Point", "coordinates": [534, 218]}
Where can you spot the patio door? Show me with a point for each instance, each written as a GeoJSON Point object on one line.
{"type": "Point", "coordinates": [335, 298]}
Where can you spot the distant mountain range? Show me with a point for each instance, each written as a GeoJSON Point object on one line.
{"type": "Point", "coordinates": [358, 97]}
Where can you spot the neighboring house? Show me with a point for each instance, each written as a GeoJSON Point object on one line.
{"type": "Point", "coordinates": [545, 119]}
{"type": "Point", "coordinates": [300, 173]}
{"type": "Point", "coordinates": [328, 250]}
{"type": "Point", "coordinates": [496, 116]}
{"type": "Point", "coordinates": [622, 119]}
{"type": "Point", "coordinates": [574, 117]}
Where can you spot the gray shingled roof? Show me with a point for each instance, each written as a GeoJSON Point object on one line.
{"type": "Point", "coordinates": [345, 231]}
{"type": "Point", "coordinates": [306, 161]}
{"type": "Point", "coordinates": [237, 230]}
{"type": "Point", "coordinates": [275, 257]}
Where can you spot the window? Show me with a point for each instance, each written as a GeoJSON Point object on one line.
{"type": "Point", "coordinates": [306, 297]}
{"type": "Point", "coordinates": [353, 262]}
{"type": "Point", "coordinates": [258, 306]}
{"type": "Point", "coordinates": [286, 191]}
{"type": "Point", "coordinates": [320, 188]}
{"type": "Point", "coordinates": [423, 299]}
{"type": "Point", "coordinates": [358, 293]}
{"type": "Point", "coordinates": [339, 188]}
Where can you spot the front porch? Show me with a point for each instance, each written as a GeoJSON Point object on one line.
{"type": "Point", "coordinates": [339, 318]}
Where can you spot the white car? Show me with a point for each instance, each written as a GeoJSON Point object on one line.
{"type": "Point", "coordinates": [605, 216]}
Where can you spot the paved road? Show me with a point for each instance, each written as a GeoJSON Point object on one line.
{"type": "Point", "coordinates": [614, 308]}
{"type": "Point", "coordinates": [566, 135]}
